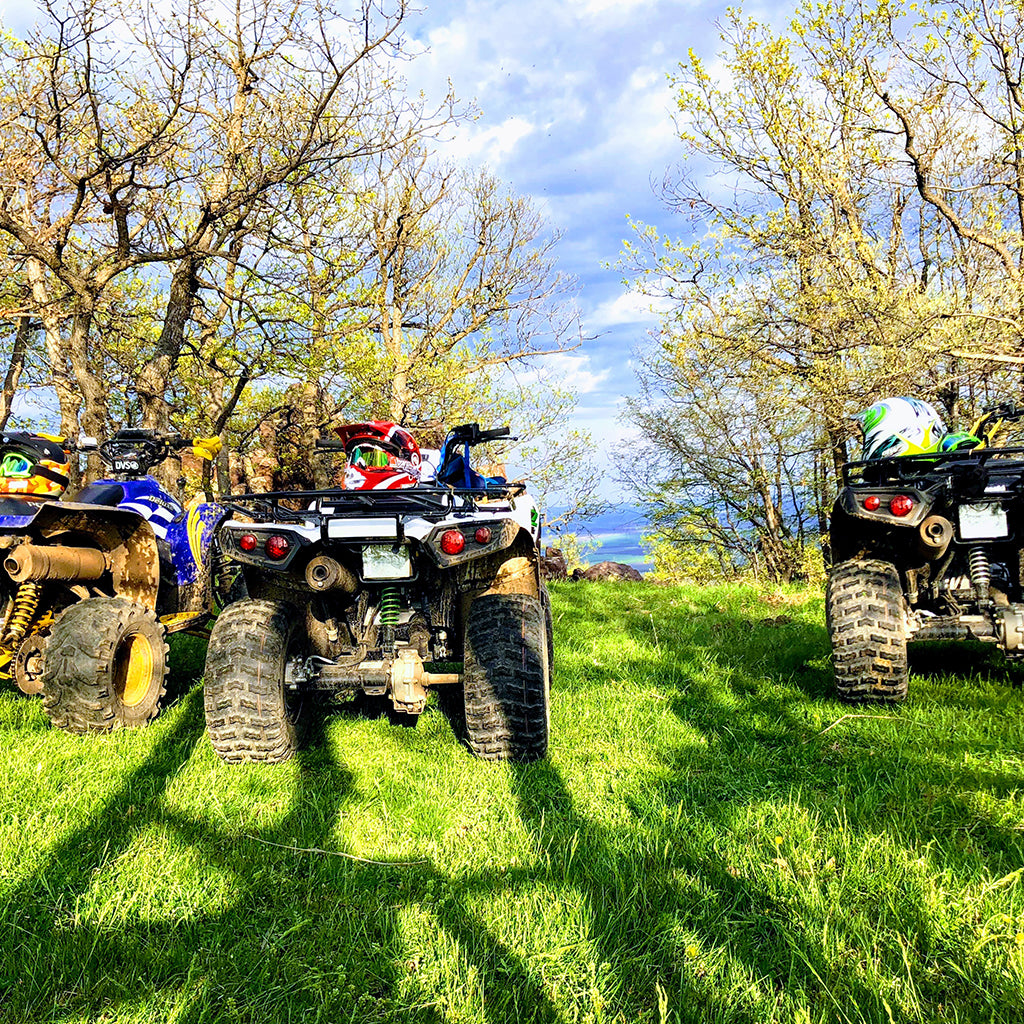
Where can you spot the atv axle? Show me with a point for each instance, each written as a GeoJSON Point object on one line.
{"type": "Point", "coordinates": [403, 677]}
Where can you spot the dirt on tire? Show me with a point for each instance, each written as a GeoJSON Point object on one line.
{"type": "Point", "coordinates": [867, 626]}
{"type": "Point", "coordinates": [106, 666]}
{"type": "Point", "coordinates": [249, 716]}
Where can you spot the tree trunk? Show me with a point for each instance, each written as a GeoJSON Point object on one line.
{"type": "Point", "coordinates": [156, 374]}
{"type": "Point", "coordinates": [94, 405]}
{"type": "Point", "coordinates": [68, 397]}
{"type": "Point", "coordinates": [14, 368]}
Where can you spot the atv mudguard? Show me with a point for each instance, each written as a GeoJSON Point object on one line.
{"type": "Point", "coordinates": [125, 536]}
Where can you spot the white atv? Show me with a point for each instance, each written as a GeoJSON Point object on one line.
{"type": "Point", "coordinates": [388, 593]}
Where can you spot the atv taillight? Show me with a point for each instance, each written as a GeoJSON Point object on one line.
{"type": "Point", "coordinates": [248, 542]}
{"type": "Point", "coordinates": [901, 505]}
{"type": "Point", "coordinates": [871, 502]}
{"type": "Point", "coordinates": [482, 535]}
{"type": "Point", "coordinates": [277, 547]}
{"type": "Point", "coordinates": [452, 542]}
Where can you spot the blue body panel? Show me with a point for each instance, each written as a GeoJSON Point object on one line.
{"type": "Point", "coordinates": [17, 513]}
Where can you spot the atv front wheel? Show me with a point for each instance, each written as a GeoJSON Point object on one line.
{"type": "Point", "coordinates": [106, 666]}
{"type": "Point", "coordinates": [867, 627]}
{"type": "Point", "coordinates": [506, 678]}
{"type": "Point", "coordinates": [250, 714]}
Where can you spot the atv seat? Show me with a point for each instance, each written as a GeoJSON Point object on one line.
{"type": "Point", "coordinates": [100, 494]}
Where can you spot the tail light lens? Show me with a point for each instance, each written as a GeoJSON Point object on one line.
{"type": "Point", "coordinates": [452, 542]}
{"type": "Point", "coordinates": [871, 502]}
{"type": "Point", "coordinates": [248, 542]}
{"type": "Point", "coordinates": [901, 505]}
{"type": "Point", "coordinates": [482, 535]}
{"type": "Point", "coordinates": [277, 547]}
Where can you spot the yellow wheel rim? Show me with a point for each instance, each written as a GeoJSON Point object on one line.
{"type": "Point", "coordinates": [133, 669]}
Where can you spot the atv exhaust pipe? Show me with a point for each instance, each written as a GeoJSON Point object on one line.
{"type": "Point", "coordinates": [36, 563]}
{"type": "Point", "coordinates": [934, 536]}
{"type": "Point", "coordinates": [326, 573]}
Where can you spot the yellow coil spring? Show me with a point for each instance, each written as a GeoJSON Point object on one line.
{"type": "Point", "coordinates": [26, 601]}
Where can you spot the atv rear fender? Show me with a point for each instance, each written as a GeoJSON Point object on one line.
{"type": "Point", "coordinates": [127, 541]}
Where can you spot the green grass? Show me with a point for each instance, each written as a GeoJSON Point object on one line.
{"type": "Point", "coordinates": [713, 838]}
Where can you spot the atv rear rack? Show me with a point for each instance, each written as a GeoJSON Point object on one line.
{"type": "Point", "coordinates": [428, 502]}
{"type": "Point", "coordinates": [911, 469]}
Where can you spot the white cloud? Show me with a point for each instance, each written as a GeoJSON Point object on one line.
{"type": "Point", "coordinates": [566, 369]}
{"type": "Point", "coordinates": [628, 308]}
{"type": "Point", "coordinates": [491, 145]}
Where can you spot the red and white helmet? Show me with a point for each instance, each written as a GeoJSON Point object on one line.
{"type": "Point", "coordinates": [379, 456]}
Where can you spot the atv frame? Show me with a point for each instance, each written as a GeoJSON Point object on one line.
{"type": "Point", "coordinates": [925, 547]}
{"type": "Point", "coordinates": [389, 594]}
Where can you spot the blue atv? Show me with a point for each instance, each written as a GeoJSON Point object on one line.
{"type": "Point", "coordinates": [90, 588]}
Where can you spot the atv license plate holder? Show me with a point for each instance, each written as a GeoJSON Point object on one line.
{"type": "Point", "coordinates": [362, 528]}
{"type": "Point", "coordinates": [384, 562]}
{"type": "Point", "coordinates": [983, 521]}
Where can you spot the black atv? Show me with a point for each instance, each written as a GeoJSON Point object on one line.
{"type": "Point", "coordinates": [389, 594]}
{"type": "Point", "coordinates": [926, 547]}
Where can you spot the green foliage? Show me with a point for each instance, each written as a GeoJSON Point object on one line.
{"type": "Point", "coordinates": [868, 243]}
{"type": "Point", "coordinates": [237, 223]}
{"type": "Point", "coordinates": [575, 548]}
{"type": "Point", "coordinates": [713, 839]}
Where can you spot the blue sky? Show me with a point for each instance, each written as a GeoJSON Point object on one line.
{"type": "Point", "coordinates": [576, 111]}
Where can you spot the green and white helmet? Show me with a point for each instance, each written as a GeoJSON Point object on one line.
{"type": "Point", "coordinates": [900, 426]}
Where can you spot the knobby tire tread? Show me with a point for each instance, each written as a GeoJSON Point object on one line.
{"type": "Point", "coordinates": [506, 678]}
{"type": "Point", "coordinates": [247, 714]}
{"type": "Point", "coordinates": [867, 626]}
{"type": "Point", "coordinates": [78, 681]}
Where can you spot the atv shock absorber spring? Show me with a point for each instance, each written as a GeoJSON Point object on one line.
{"type": "Point", "coordinates": [390, 604]}
{"type": "Point", "coordinates": [26, 601]}
{"type": "Point", "coordinates": [981, 571]}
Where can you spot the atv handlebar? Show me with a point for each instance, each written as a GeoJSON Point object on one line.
{"type": "Point", "coordinates": [471, 434]}
{"type": "Point", "coordinates": [465, 433]}
{"type": "Point", "coordinates": [134, 450]}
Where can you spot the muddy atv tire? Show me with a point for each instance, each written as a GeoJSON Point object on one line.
{"type": "Point", "coordinates": [250, 715]}
{"type": "Point", "coordinates": [506, 678]}
{"type": "Point", "coordinates": [106, 666]}
{"type": "Point", "coordinates": [867, 626]}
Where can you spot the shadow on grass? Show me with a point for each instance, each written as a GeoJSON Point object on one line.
{"type": "Point", "coordinates": [303, 934]}
{"type": "Point", "coordinates": [298, 934]}
{"type": "Point", "coordinates": [929, 796]}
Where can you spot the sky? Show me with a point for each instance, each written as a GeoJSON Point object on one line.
{"type": "Point", "coordinates": [575, 112]}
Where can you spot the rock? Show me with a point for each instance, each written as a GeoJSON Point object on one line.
{"type": "Point", "coordinates": [553, 565]}
{"type": "Point", "coordinates": [609, 571]}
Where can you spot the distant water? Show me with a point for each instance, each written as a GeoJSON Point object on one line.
{"type": "Point", "coordinates": [618, 533]}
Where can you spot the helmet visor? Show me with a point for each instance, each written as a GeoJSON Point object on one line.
{"type": "Point", "coordinates": [15, 466]}
{"type": "Point", "coordinates": [368, 457]}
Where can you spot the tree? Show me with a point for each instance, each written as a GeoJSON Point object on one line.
{"type": "Point", "coordinates": [825, 277]}
{"type": "Point", "coordinates": [140, 145]}
{"type": "Point", "coordinates": [460, 280]}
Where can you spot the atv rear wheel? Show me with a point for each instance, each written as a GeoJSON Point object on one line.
{"type": "Point", "coordinates": [506, 678]}
{"type": "Point", "coordinates": [867, 626]}
{"type": "Point", "coordinates": [106, 666]}
{"type": "Point", "coordinates": [250, 714]}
